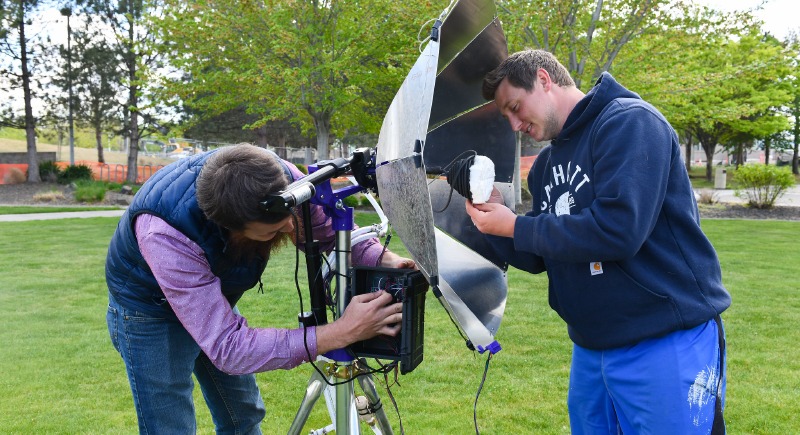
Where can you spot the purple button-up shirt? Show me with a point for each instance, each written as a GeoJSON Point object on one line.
{"type": "Point", "coordinates": [193, 291]}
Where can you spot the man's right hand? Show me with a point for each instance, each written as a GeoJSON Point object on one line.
{"type": "Point", "coordinates": [366, 316]}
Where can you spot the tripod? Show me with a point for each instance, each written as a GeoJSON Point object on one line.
{"type": "Point", "coordinates": [335, 371]}
{"type": "Point", "coordinates": [340, 369]}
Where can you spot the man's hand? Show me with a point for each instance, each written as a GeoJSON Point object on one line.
{"type": "Point", "coordinates": [390, 259]}
{"type": "Point", "coordinates": [366, 316]}
{"type": "Point", "coordinates": [492, 218]}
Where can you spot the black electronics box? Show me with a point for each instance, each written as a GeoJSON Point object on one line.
{"type": "Point", "coordinates": [406, 286]}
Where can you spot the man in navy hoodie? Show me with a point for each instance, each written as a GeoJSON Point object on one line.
{"type": "Point", "coordinates": [615, 225]}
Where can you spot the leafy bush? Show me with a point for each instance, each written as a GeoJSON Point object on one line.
{"type": "Point", "coordinates": [365, 201]}
{"type": "Point", "coordinates": [90, 191]}
{"type": "Point", "coordinates": [761, 185]}
{"type": "Point", "coordinates": [351, 201]}
{"type": "Point", "coordinates": [49, 171]}
{"type": "Point", "coordinates": [75, 173]}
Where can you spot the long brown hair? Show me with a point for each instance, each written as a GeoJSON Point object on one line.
{"type": "Point", "coordinates": [230, 188]}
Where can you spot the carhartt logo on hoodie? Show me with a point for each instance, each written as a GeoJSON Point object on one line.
{"type": "Point", "coordinates": [596, 268]}
{"type": "Point", "coordinates": [574, 178]}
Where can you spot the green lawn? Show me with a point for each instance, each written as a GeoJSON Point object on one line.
{"type": "Point", "coordinates": [60, 374]}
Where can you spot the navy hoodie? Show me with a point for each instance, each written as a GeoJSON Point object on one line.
{"type": "Point", "coordinates": [615, 225]}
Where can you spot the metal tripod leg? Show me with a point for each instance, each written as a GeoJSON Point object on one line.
{"type": "Point", "coordinates": [368, 386]}
{"type": "Point", "coordinates": [315, 387]}
{"type": "Point", "coordinates": [340, 400]}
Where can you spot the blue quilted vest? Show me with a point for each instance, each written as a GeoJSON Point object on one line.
{"type": "Point", "coordinates": [170, 195]}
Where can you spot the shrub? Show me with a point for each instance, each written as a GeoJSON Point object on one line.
{"type": "Point", "coordinates": [707, 196]}
{"type": "Point", "coordinates": [90, 191]}
{"type": "Point", "coordinates": [51, 196]}
{"type": "Point", "coordinates": [14, 176]}
{"type": "Point", "coordinates": [365, 201]}
{"type": "Point", "coordinates": [75, 173]}
{"type": "Point", "coordinates": [761, 185]}
{"type": "Point", "coordinates": [351, 201]}
{"type": "Point", "coordinates": [49, 171]}
{"type": "Point", "coordinates": [302, 168]}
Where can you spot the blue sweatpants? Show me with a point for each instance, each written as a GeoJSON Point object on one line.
{"type": "Point", "coordinates": [666, 385]}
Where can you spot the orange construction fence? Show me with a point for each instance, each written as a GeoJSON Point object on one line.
{"type": "Point", "coordinates": [100, 171]}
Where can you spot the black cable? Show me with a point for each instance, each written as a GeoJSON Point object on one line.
{"type": "Point", "coordinates": [457, 172]}
{"type": "Point", "coordinates": [385, 246]}
{"type": "Point", "coordinates": [305, 328]}
{"type": "Point", "coordinates": [478, 394]}
{"type": "Point", "coordinates": [391, 397]}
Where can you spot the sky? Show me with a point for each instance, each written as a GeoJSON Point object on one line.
{"type": "Point", "coordinates": [779, 16]}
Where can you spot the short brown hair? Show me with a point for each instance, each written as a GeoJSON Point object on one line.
{"type": "Point", "coordinates": [234, 181]}
{"type": "Point", "coordinates": [520, 68]}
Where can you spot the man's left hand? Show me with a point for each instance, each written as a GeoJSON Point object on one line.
{"type": "Point", "coordinates": [394, 261]}
{"type": "Point", "coordinates": [492, 218]}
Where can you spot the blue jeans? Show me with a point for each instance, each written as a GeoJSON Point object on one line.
{"type": "Point", "coordinates": [666, 385]}
{"type": "Point", "coordinates": [160, 357]}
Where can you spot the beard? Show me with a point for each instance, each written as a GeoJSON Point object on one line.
{"type": "Point", "coordinates": [241, 247]}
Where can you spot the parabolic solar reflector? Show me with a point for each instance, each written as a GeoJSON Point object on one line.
{"type": "Point", "coordinates": [437, 114]}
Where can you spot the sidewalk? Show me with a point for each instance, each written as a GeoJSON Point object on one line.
{"type": "Point", "coordinates": [63, 215]}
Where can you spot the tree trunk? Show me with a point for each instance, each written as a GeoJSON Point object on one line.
{"type": "Point", "coordinates": [133, 127]}
{"type": "Point", "coordinates": [688, 152]}
{"type": "Point", "coordinates": [740, 158]}
{"type": "Point", "coordinates": [98, 137]}
{"type": "Point", "coordinates": [261, 136]}
{"type": "Point", "coordinates": [133, 146]}
{"type": "Point", "coordinates": [767, 146]}
{"type": "Point", "coordinates": [322, 122]}
{"type": "Point", "coordinates": [30, 123]}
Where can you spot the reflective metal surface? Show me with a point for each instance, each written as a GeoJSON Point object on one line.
{"type": "Point", "coordinates": [404, 198]}
{"type": "Point", "coordinates": [483, 130]}
{"type": "Point", "coordinates": [458, 86]}
{"type": "Point", "coordinates": [448, 115]}
{"type": "Point", "coordinates": [453, 219]}
{"type": "Point", "coordinates": [406, 121]}
{"type": "Point", "coordinates": [462, 25]}
{"type": "Point", "coordinates": [474, 290]}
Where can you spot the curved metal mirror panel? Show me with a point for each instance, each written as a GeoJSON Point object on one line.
{"type": "Point", "coordinates": [450, 216]}
{"type": "Point", "coordinates": [406, 121]}
{"type": "Point", "coordinates": [404, 197]}
{"type": "Point", "coordinates": [474, 289]}
{"type": "Point", "coordinates": [467, 279]}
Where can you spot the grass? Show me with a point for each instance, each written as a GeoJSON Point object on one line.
{"type": "Point", "coordinates": [60, 373]}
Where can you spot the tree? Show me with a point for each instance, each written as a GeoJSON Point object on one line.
{"type": "Point", "coordinates": [93, 79]}
{"type": "Point", "coordinates": [713, 75]}
{"type": "Point", "coordinates": [98, 82]}
{"type": "Point", "coordinates": [308, 61]}
{"type": "Point", "coordinates": [230, 127]}
{"type": "Point", "coordinates": [133, 41]}
{"type": "Point", "coordinates": [586, 35]}
{"type": "Point", "coordinates": [16, 45]}
{"type": "Point", "coordinates": [794, 107]}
